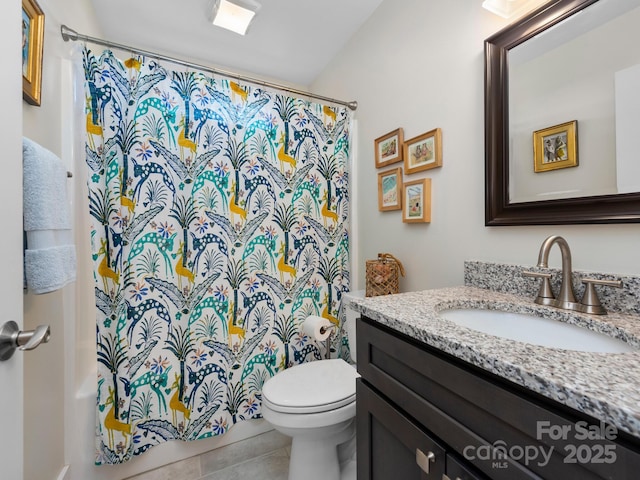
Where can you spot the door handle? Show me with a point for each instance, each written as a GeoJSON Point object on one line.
{"type": "Point", "coordinates": [11, 338]}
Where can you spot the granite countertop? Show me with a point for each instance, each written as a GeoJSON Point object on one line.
{"type": "Point", "coordinates": [603, 385]}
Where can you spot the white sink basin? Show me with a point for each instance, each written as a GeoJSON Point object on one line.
{"type": "Point", "coordinates": [536, 330]}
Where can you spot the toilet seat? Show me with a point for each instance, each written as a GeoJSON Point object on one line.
{"type": "Point", "coordinates": [312, 387]}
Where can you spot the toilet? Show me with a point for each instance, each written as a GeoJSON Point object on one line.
{"type": "Point", "coordinates": [315, 404]}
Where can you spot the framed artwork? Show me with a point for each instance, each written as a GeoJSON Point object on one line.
{"type": "Point", "coordinates": [32, 42]}
{"type": "Point", "coordinates": [423, 152]}
{"type": "Point", "coordinates": [390, 190]}
{"type": "Point", "coordinates": [555, 147]}
{"type": "Point", "coordinates": [389, 148]}
{"type": "Point", "coordinates": [416, 201]}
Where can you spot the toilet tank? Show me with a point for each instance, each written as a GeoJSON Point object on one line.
{"type": "Point", "coordinates": [350, 319]}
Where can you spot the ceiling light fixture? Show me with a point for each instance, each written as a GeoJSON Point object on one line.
{"type": "Point", "coordinates": [511, 8]}
{"type": "Point", "coordinates": [234, 15]}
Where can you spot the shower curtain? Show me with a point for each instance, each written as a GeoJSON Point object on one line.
{"type": "Point", "coordinates": [220, 217]}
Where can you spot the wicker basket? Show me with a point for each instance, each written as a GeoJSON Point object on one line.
{"type": "Point", "coordinates": [382, 275]}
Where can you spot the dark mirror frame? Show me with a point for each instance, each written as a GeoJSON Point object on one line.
{"type": "Point", "coordinates": [619, 208]}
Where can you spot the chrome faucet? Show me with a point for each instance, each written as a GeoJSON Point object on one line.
{"type": "Point", "coordinates": [566, 298]}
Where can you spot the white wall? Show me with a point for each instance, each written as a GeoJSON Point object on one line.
{"type": "Point", "coordinates": [627, 126]}
{"type": "Point", "coordinates": [49, 372]}
{"type": "Point", "coordinates": [419, 65]}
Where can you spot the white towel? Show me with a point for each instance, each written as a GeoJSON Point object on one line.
{"type": "Point", "coordinates": [50, 257]}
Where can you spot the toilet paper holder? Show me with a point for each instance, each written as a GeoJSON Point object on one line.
{"type": "Point", "coordinates": [320, 329]}
{"type": "Point", "coordinates": [323, 330]}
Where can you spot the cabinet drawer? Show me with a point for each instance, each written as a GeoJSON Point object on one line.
{"type": "Point", "coordinates": [468, 408]}
{"type": "Point", "coordinates": [458, 470]}
{"type": "Point", "coordinates": [391, 446]}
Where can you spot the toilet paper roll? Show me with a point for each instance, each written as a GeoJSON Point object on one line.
{"type": "Point", "coordinates": [317, 327]}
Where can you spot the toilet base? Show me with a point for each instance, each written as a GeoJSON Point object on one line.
{"type": "Point", "coordinates": [319, 454]}
{"type": "Point", "coordinates": [350, 470]}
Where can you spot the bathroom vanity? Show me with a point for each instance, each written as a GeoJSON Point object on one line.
{"type": "Point", "coordinates": [438, 400]}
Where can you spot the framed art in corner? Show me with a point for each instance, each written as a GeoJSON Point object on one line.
{"type": "Point", "coordinates": [423, 152]}
{"type": "Point", "coordinates": [32, 43]}
{"type": "Point", "coordinates": [389, 148]}
{"type": "Point", "coordinates": [390, 190]}
{"type": "Point", "coordinates": [416, 201]}
{"type": "Point", "coordinates": [555, 147]}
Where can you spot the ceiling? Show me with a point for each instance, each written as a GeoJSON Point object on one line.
{"type": "Point", "coordinates": [289, 41]}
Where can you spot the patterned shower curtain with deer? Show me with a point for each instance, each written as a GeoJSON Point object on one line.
{"type": "Point", "coordinates": [219, 223]}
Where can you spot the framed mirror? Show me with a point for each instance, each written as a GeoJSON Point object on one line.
{"type": "Point", "coordinates": [568, 63]}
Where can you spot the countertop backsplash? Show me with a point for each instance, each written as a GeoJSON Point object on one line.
{"type": "Point", "coordinates": [508, 278]}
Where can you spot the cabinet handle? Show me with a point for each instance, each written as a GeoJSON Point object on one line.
{"type": "Point", "coordinates": [445, 477]}
{"type": "Point", "coordinates": [423, 460]}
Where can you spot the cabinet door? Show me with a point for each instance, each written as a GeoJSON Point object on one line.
{"type": "Point", "coordinates": [390, 446]}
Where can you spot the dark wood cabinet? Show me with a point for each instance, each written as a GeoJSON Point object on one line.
{"type": "Point", "coordinates": [461, 470]}
{"type": "Point", "coordinates": [419, 406]}
{"type": "Point", "coordinates": [399, 448]}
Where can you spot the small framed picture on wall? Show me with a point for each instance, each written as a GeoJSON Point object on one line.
{"type": "Point", "coordinates": [416, 201]}
{"type": "Point", "coordinates": [390, 190]}
{"type": "Point", "coordinates": [423, 152]}
{"type": "Point", "coordinates": [389, 148]}
{"type": "Point", "coordinates": [32, 40]}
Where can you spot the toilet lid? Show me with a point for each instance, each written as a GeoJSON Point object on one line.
{"type": "Point", "coordinates": [311, 387]}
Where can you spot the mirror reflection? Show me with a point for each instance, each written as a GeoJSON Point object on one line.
{"type": "Point", "coordinates": [584, 71]}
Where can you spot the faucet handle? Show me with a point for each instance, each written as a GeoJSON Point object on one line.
{"type": "Point", "coordinates": [545, 294]}
{"type": "Point", "coordinates": [590, 301]}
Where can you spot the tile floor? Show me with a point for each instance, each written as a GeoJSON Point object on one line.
{"type": "Point", "coordinates": [264, 456]}
{"type": "Point", "coordinates": [273, 466]}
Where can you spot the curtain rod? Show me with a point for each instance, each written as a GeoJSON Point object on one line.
{"type": "Point", "coordinates": [70, 34]}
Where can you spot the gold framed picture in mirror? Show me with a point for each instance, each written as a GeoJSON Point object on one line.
{"type": "Point", "coordinates": [32, 43]}
{"type": "Point", "coordinates": [555, 147]}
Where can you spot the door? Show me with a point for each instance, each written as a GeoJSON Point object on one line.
{"type": "Point", "coordinates": [11, 233]}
